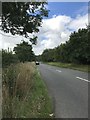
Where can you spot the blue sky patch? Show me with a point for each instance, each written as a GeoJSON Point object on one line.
{"type": "Point", "coordinates": [67, 8]}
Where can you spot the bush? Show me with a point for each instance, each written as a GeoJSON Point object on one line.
{"type": "Point", "coordinates": [8, 58]}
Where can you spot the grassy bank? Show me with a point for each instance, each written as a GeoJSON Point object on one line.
{"type": "Point", "coordinates": [84, 68]}
{"type": "Point", "coordinates": [24, 93]}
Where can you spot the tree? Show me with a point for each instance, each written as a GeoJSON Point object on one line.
{"type": "Point", "coordinates": [78, 45]}
{"type": "Point", "coordinates": [48, 55]}
{"type": "Point", "coordinates": [8, 58]}
{"type": "Point", "coordinates": [24, 52]}
{"type": "Point", "coordinates": [23, 17]}
{"type": "Point", "coordinates": [38, 58]}
{"type": "Point", "coordinates": [75, 50]}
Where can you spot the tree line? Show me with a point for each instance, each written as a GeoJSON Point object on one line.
{"type": "Point", "coordinates": [75, 50]}
{"type": "Point", "coordinates": [21, 53]}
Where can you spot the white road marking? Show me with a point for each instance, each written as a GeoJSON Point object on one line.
{"type": "Point", "coordinates": [58, 70]}
{"type": "Point", "coordinates": [83, 79]}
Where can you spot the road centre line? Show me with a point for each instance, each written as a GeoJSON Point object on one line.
{"type": "Point", "coordinates": [83, 79]}
{"type": "Point", "coordinates": [58, 70]}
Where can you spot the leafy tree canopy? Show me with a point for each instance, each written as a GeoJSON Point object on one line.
{"type": "Point", "coordinates": [24, 52]}
{"type": "Point", "coordinates": [8, 58]}
{"type": "Point", "coordinates": [23, 18]}
{"type": "Point", "coordinates": [75, 50]}
{"type": "Point", "coordinates": [48, 55]}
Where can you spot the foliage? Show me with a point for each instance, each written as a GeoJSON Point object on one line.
{"type": "Point", "coordinates": [23, 17]}
{"type": "Point", "coordinates": [75, 50]}
{"type": "Point", "coordinates": [24, 52]}
{"type": "Point", "coordinates": [38, 58]}
{"type": "Point", "coordinates": [48, 55]}
{"type": "Point", "coordinates": [8, 58]}
{"type": "Point", "coordinates": [79, 47]}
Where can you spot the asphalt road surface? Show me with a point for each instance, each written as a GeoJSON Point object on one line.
{"type": "Point", "coordinates": [69, 90]}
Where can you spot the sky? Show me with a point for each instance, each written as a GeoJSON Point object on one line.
{"type": "Point", "coordinates": [67, 8]}
{"type": "Point", "coordinates": [64, 18]}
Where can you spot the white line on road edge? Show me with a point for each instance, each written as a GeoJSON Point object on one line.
{"type": "Point", "coordinates": [58, 70]}
{"type": "Point", "coordinates": [83, 79]}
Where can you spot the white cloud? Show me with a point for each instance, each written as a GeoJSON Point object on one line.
{"type": "Point", "coordinates": [8, 40]}
{"type": "Point", "coordinates": [79, 22]}
{"type": "Point", "coordinates": [54, 31]}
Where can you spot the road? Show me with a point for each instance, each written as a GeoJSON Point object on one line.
{"type": "Point", "coordinates": [68, 89]}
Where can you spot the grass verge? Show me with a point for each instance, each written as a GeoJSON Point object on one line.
{"type": "Point", "coordinates": [84, 68]}
{"type": "Point", "coordinates": [24, 93]}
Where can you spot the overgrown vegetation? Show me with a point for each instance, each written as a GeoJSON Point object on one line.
{"type": "Point", "coordinates": [24, 93]}
{"type": "Point", "coordinates": [8, 58]}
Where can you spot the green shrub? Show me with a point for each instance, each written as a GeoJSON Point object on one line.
{"type": "Point", "coordinates": [8, 58]}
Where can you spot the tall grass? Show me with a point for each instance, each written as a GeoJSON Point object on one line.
{"type": "Point", "coordinates": [24, 93]}
{"type": "Point", "coordinates": [17, 82]}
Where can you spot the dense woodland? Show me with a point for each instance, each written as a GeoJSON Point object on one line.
{"type": "Point", "coordinates": [75, 50]}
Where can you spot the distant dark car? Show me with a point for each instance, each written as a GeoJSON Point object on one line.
{"type": "Point", "coordinates": [37, 63]}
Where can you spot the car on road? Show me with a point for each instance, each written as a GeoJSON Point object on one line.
{"type": "Point", "coordinates": [37, 63]}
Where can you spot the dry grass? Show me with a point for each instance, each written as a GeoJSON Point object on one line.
{"type": "Point", "coordinates": [17, 82]}
{"type": "Point", "coordinates": [24, 80]}
{"type": "Point", "coordinates": [24, 93]}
